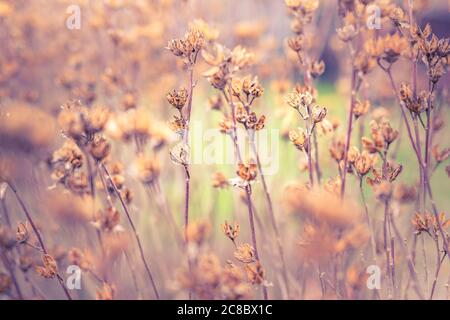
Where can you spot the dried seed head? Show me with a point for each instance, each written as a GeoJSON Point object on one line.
{"type": "Point", "coordinates": [298, 138]}
{"type": "Point", "coordinates": [255, 273]}
{"type": "Point", "coordinates": [178, 99]}
{"type": "Point", "coordinates": [353, 154]}
{"type": "Point", "coordinates": [389, 134]}
{"type": "Point", "coordinates": [188, 47]}
{"type": "Point", "coordinates": [317, 68]}
{"type": "Point", "coordinates": [364, 163]}
{"type": "Point", "coordinates": [49, 269]}
{"type": "Point", "coordinates": [22, 234]}
{"type": "Point", "coordinates": [361, 108]}
{"type": "Point", "coordinates": [231, 231]}
{"type": "Point", "coordinates": [347, 32]}
{"type": "Point", "coordinates": [245, 253]}
{"type": "Point", "coordinates": [96, 120]}
{"type": "Point", "coordinates": [247, 172]}
{"type": "Point", "coordinates": [319, 113]}
{"type": "Point", "coordinates": [99, 148]}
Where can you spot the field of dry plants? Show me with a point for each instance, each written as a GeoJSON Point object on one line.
{"type": "Point", "coordinates": [207, 149]}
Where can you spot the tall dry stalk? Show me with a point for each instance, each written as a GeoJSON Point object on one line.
{"type": "Point", "coordinates": [38, 235]}
{"type": "Point", "coordinates": [133, 227]}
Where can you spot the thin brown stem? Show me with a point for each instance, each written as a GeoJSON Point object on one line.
{"type": "Point", "coordinates": [135, 232]}
{"type": "Point", "coordinates": [349, 130]}
{"type": "Point", "coordinates": [10, 267]}
{"type": "Point", "coordinates": [271, 215]}
{"type": "Point", "coordinates": [253, 232]}
{"type": "Point", "coordinates": [411, 268]}
{"type": "Point", "coordinates": [38, 235]}
{"type": "Point", "coordinates": [369, 223]}
{"type": "Point", "coordinates": [439, 262]}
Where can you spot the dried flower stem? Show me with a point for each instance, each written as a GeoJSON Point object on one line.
{"type": "Point", "coordinates": [5, 212]}
{"type": "Point", "coordinates": [10, 268]}
{"type": "Point", "coordinates": [369, 223]}
{"type": "Point", "coordinates": [272, 216]}
{"type": "Point", "coordinates": [164, 207]}
{"type": "Point", "coordinates": [316, 156]}
{"type": "Point", "coordinates": [387, 249]}
{"type": "Point", "coordinates": [133, 274]}
{"type": "Point", "coordinates": [309, 130]}
{"type": "Point", "coordinates": [349, 128]}
{"type": "Point", "coordinates": [136, 235]}
{"type": "Point", "coordinates": [38, 235]}
{"type": "Point", "coordinates": [248, 192]}
{"type": "Point", "coordinates": [412, 270]}
{"type": "Point", "coordinates": [91, 177]}
{"type": "Point", "coordinates": [439, 262]}
{"type": "Point", "coordinates": [419, 158]}
{"type": "Point", "coordinates": [247, 188]}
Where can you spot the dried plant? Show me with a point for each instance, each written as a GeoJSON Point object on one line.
{"type": "Point", "coordinates": [285, 164]}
